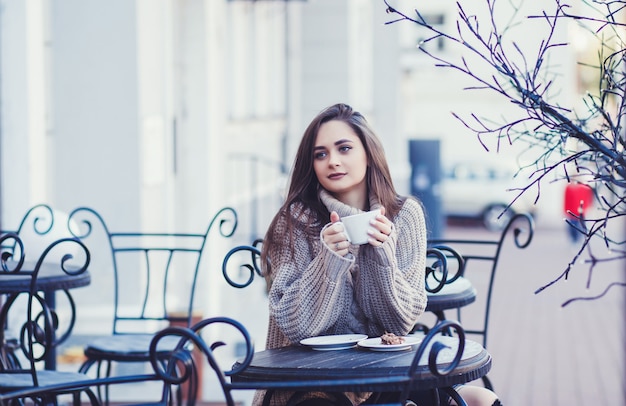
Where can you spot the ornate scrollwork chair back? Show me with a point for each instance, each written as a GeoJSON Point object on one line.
{"type": "Point", "coordinates": [444, 265]}
{"type": "Point", "coordinates": [479, 261]}
{"type": "Point", "coordinates": [151, 272]}
{"type": "Point", "coordinates": [242, 273]}
{"type": "Point", "coordinates": [40, 226]}
{"type": "Point", "coordinates": [41, 328]}
{"type": "Point", "coordinates": [181, 367]}
{"type": "Point", "coordinates": [434, 348]}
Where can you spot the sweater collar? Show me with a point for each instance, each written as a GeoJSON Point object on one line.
{"type": "Point", "coordinates": [332, 204]}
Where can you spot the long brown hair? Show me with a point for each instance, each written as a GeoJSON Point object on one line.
{"type": "Point", "coordinates": [304, 185]}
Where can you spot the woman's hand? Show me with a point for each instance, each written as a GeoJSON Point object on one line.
{"type": "Point", "coordinates": [334, 237]}
{"type": "Point", "coordinates": [337, 241]}
{"type": "Point", "coordinates": [380, 229]}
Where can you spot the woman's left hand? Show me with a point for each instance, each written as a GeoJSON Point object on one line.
{"type": "Point", "coordinates": [380, 229]}
{"type": "Point", "coordinates": [334, 236]}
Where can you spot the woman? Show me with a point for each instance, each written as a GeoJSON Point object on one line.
{"type": "Point", "coordinates": [320, 284]}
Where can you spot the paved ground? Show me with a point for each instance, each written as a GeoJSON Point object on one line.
{"type": "Point", "coordinates": [544, 354]}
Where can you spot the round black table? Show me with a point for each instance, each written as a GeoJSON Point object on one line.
{"type": "Point", "coordinates": [51, 278]}
{"type": "Point", "coordinates": [363, 369]}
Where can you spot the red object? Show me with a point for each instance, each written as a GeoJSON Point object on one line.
{"type": "Point", "coordinates": [578, 198]}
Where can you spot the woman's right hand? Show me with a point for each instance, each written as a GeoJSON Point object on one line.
{"type": "Point", "coordinates": [334, 237]}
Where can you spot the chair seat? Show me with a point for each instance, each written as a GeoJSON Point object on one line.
{"type": "Point", "coordinates": [459, 293]}
{"type": "Point", "coordinates": [127, 347]}
{"type": "Point", "coordinates": [460, 285]}
{"type": "Point", "coordinates": [15, 380]}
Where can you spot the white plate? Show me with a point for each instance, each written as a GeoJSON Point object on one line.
{"type": "Point", "coordinates": [374, 344]}
{"type": "Point", "coordinates": [333, 342]}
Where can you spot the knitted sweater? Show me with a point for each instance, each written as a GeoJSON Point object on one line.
{"type": "Point", "coordinates": [369, 291]}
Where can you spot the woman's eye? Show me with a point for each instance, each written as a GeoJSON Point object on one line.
{"type": "Point", "coordinates": [319, 155]}
{"type": "Point", "coordinates": [345, 148]}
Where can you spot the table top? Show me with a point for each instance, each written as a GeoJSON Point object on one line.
{"type": "Point", "coordinates": [51, 277]}
{"type": "Point", "coordinates": [455, 294]}
{"type": "Point", "coordinates": [363, 366]}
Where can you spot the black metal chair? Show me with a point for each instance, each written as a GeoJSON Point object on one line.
{"type": "Point", "coordinates": [41, 329]}
{"type": "Point", "coordinates": [155, 282]}
{"type": "Point", "coordinates": [40, 226]}
{"type": "Point", "coordinates": [181, 366]}
{"type": "Point", "coordinates": [38, 332]}
{"type": "Point", "coordinates": [479, 260]}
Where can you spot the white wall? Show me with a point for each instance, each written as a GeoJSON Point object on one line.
{"type": "Point", "coordinates": [94, 108]}
{"type": "Point", "coordinates": [24, 94]}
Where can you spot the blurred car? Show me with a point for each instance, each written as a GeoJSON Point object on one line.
{"type": "Point", "coordinates": [481, 191]}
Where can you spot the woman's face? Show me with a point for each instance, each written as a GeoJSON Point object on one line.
{"type": "Point", "coordinates": [340, 161]}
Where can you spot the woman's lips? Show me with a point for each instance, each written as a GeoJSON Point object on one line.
{"type": "Point", "coordinates": [335, 176]}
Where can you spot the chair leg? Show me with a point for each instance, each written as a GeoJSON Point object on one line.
{"type": "Point", "coordinates": [487, 383]}
{"type": "Point", "coordinates": [93, 399]}
{"type": "Point", "coordinates": [268, 397]}
{"type": "Point", "coordinates": [106, 387]}
{"type": "Point", "coordinates": [86, 366]}
{"type": "Point", "coordinates": [455, 396]}
{"type": "Point", "coordinates": [103, 398]}
{"type": "Point", "coordinates": [49, 400]}
{"type": "Point", "coordinates": [76, 399]}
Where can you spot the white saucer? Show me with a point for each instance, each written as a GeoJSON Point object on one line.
{"type": "Point", "coordinates": [333, 342]}
{"type": "Point", "coordinates": [374, 344]}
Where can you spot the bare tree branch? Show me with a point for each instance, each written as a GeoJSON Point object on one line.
{"type": "Point", "coordinates": [497, 64]}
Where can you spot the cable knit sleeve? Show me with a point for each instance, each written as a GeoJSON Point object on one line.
{"type": "Point", "coordinates": [390, 284]}
{"type": "Point", "coordinates": [310, 286]}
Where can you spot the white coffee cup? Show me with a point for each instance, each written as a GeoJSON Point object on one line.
{"type": "Point", "coordinates": [356, 226]}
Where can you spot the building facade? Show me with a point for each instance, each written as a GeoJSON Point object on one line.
{"type": "Point", "coordinates": [157, 113]}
